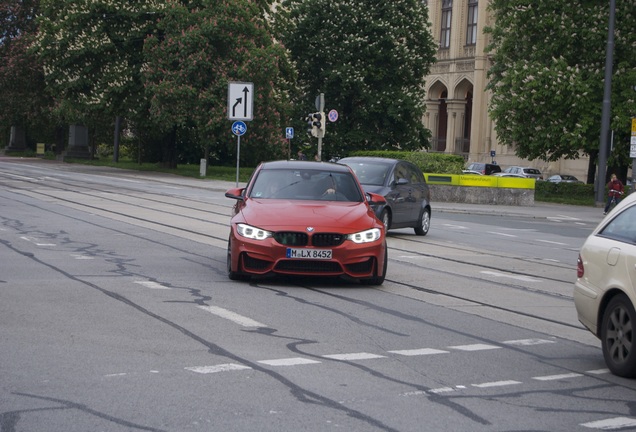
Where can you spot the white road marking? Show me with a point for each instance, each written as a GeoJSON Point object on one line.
{"type": "Point", "coordinates": [611, 424]}
{"type": "Point", "coordinates": [557, 377]}
{"type": "Point", "coordinates": [418, 352]}
{"type": "Point", "coordinates": [501, 234]}
{"type": "Point", "coordinates": [152, 285]}
{"type": "Point", "coordinates": [598, 371]}
{"type": "Point", "coordinates": [516, 277]}
{"type": "Point", "coordinates": [441, 390]}
{"type": "Point", "coordinates": [353, 356]}
{"type": "Point", "coordinates": [232, 316]}
{"type": "Point", "coordinates": [289, 361]}
{"type": "Point", "coordinates": [455, 226]}
{"type": "Point", "coordinates": [474, 347]}
{"type": "Point", "coordinates": [35, 241]}
{"type": "Point", "coordinates": [553, 242]}
{"type": "Point", "coordinates": [528, 342]}
{"type": "Point", "coordinates": [497, 384]}
{"type": "Point", "coordinates": [82, 257]}
{"type": "Point", "coordinates": [218, 368]}
{"type": "Point", "coordinates": [115, 375]}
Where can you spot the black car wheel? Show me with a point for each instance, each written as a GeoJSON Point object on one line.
{"type": "Point", "coordinates": [425, 223]}
{"type": "Point", "coordinates": [385, 218]}
{"type": "Point", "coordinates": [617, 336]}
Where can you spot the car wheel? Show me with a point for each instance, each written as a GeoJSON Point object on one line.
{"type": "Point", "coordinates": [378, 280]}
{"type": "Point", "coordinates": [617, 336]}
{"type": "Point", "coordinates": [425, 223]}
{"type": "Point", "coordinates": [385, 218]}
{"type": "Point", "coordinates": [233, 275]}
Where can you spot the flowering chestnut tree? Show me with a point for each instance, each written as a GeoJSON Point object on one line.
{"type": "Point", "coordinates": [198, 48]}
{"type": "Point", "coordinates": [370, 59]}
{"type": "Point", "coordinates": [548, 72]}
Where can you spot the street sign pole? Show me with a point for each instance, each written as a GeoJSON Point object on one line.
{"type": "Point", "coordinates": [321, 108]}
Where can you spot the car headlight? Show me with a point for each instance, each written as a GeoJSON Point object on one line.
{"type": "Point", "coordinates": [365, 236]}
{"type": "Point", "coordinates": [252, 232]}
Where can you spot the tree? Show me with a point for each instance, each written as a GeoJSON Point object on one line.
{"type": "Point", "coordinates": [22, 97]}
{"type": "Point", "coordinates": [369, 58]}
{"type": "Point", "coordinates": [548, 71]}
{"type": "Point", "coordinates": [92, 52]}
{"type": "Point", "coordinates": [199, 47]}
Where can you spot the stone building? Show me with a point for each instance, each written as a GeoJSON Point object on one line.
{"type": "Point", "coordinates": [457, 102]}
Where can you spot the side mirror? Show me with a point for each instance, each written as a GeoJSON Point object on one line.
{"type": "Point", "coordinates": [236, 193]}
{"type": "Point", "coordinates": [402, 181]}
{"type": "Point", "coordinates": [373, 198]}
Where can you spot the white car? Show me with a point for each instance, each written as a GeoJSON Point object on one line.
{"type": "Point", "coordinates": [605, 288]}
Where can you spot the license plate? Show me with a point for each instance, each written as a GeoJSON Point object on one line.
{"type": "Point", "coordinates": [309, 253]}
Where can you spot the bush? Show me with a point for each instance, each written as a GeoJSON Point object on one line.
{"type": "Point", "coordinates": [437, 163]}
{"type": "Point", "coordinates": [565, 193]}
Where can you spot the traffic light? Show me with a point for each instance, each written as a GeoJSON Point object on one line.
{"type": "Point", "coordinates": [316, 124]}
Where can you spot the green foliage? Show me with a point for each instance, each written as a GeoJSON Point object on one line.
{"type": "Point", "coordinates": [564, 193]}
{"type": "Point", "coordinates": [439, 163]}
{"type": "Point", "coordinates": [547, 75]}
{"type": "Point", "coordinates": [197, 49]}
{"type": "Point", "coordinates": [369, 58]}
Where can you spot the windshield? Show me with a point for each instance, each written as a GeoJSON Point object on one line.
{"type": "Point", "coordinates": [370, 173]}
{"type": "Point", "coordinates": [311, 184]}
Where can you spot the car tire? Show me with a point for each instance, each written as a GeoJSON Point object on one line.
{"type": "Point", "coordinates": [617, 336]}
{"type": "Point", "coordinates": [424, 223]}
{"type": "Point", "coordinates": [385, 218]}
{"type": "Point", "coordinates": [378, 280]}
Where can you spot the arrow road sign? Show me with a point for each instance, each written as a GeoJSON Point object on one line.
{"type": "Point", "coordinates": [240, 101]}
{"type": "Point", "coordinates": [289, 132]}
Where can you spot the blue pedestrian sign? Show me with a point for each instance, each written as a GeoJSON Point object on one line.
{"type": "Point", "coordinates": [289, 132]}
{"type": "Point", "coordinates": [239, 128]}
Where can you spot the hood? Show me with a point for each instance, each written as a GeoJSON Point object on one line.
{"type": "Point", "coordinates": [274, 215]}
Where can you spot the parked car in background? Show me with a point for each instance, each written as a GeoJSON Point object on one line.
{"type": "Point", "coordinates": [483, 168]}
{"type": "Point", "coordinates": [605, 288]}
{"type": "Point", "coordinates": [402, 184]}
{"type": "Point", "coordinates": [525, 171]}
{"type": "Point", "coordinates": [563, 178]}
{"type": "Point", "coordinates": [305, 218]}
{"type": "Point", "coordinates": [505, 174]}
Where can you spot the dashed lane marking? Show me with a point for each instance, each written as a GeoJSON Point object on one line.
{"type": "Point", "coordinates": [353, 356]}
{"type": "Point", "coordinates": [557, 377]}
{"type": "Point", "coordinates": [152, 285]}
{"type": "Point", "coordinates": [218, 368]}
{"type": "Point", "coordinates": [528, 342]}
{"type": "Point", "coordinates": [232, 316]}
{"type": "Point", "coordinates": [553, 242]}
{"type": "Point", "coordinates": [510, 276]}
{"type": "Point", "coordinates": [497, 384]}
{"type": "Point", "coordinates": [419, 352]}
{"type": "Point", "coordinates": [501, 234]}
{"type": "Point", "coordinates": [35, 241]}
{"type": "Point", "coordinates": [474, 347]}
{"type": "Point", "coordinates": [289, 361]}
{"type": "Point", "coordinates": [611, 424]}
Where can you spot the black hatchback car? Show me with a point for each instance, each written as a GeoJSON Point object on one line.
{"type": "Point", "coordinates": [408, 199]}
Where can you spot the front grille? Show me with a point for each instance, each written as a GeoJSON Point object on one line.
{"type": "Point", "coordinates": [362, 267]}
{"type": "Point", "coordinates": [308, 266]}
{"type": "Point", "coordinates": [291, 238]}
{"type": "Point", "coordinates": [327, 239]}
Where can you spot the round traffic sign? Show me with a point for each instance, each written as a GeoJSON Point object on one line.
{"type": "Point", "coordinates": [333, 115]}
{"type": "Point", "coordinates": [239, 128]}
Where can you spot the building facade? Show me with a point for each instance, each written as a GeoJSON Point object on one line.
{"type": "Point", "coordinates": [457, 99]}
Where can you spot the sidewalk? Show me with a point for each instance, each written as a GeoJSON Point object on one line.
{"type": "Point", "coordinates": [539, 210]}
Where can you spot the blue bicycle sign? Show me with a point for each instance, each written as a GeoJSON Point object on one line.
{"type": "Point", "coordinates": [239, 128]}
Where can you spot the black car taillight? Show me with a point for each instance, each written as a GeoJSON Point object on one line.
{"type": "Point", "coordinates": [580, 270]}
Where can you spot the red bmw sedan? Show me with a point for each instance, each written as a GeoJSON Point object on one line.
{"type": "Point", "coordinates": [306, 218]}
